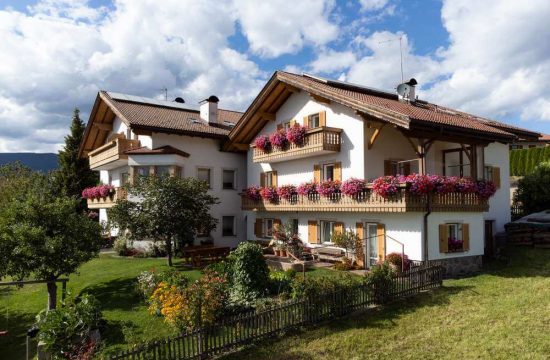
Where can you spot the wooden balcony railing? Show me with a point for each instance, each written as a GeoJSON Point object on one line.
{"type": "Point", "coordinates": [112, 152]}
{"type": "Point", "coordinates": [109, 201]}
{"type": "Point", "coordinates": [370, 202]}
{"type": "Point", "coordinates": [318, 141]}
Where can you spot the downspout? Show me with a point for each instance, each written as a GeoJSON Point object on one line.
{"type": "Point", "coordinates": [425, 233]}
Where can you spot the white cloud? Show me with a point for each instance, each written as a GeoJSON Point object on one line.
{"type": "Point", "coordinates": [277, 27]}
{"type": "Point", "coordinates": [330, 61]}
{"type": "Point", "coordinates": [371, 5]}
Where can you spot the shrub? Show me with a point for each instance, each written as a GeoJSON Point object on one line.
{"type": "Point", "coordinates": [280, 282]}
{"type": "Point", "coordinates": [380, 282]}
{"type": "Point", "coordinates": [269, 194]}
{"type": "Point", "coordinates": [221, 268]}
{"type": "Point", "coordinates": [533, 191]}
{"type": "Point", "coordinates": [307, 188]}
{"type": "Point", "coordinates": [262, 143]}
{"type": "Point", "coordinates": [385, 186]}
{"type": "Point", "coordinates": [344, 265]}
{"type": "Point", "coordinates": [278, 139]}
{"type": "Point", "coordinates": [147, 282]}
{"type": "Point", "coordinates": [250, 274]}
{"type": "Point", "coordinates": [346, 239]}
{"type": "Point", "coordinates": [286, 191]}
{"type": "Point", "coordinates": [122, 245]}
{"type": "Point", "coordinates": [328, 187]}
{"type": "Point", "coordinates": [313, 288]}
{"type": "Point", "coordinates": [395, 260]}
{"type": "Point", "coordinates": [65, 331]}
{"type": "Point", "coordinates": [353, 187]}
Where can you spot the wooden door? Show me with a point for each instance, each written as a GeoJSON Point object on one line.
{"type": "Point", "coordinates": [489, 239]}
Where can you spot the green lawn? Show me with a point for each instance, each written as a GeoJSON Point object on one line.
{"type": "Point", "coordinates": [503, 313]}
{"type": "Point", "coordinates": [112, 280]}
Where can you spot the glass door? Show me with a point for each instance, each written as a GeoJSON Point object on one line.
{"type": "Point", "coordinates": [372, 243]}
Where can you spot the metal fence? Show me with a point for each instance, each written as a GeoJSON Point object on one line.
{"type": "Point", "coordinates": [244, 328]}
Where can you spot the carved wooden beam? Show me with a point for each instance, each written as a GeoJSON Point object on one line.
{"type": "Point", "coordinates": [374, 136]}
{"type": "Point", "coordinates": [319, 98]}
{"type": "Point", "coordinates": [241, 146]}
{"type": "Point", "coordinates": [291, 88]}
{"type": "Point", "coordinates": [267, 116]}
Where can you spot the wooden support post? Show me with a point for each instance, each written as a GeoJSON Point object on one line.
{"type": "Point", "coordinates": [473, 161]}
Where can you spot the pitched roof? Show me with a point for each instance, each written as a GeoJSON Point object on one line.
{"type": "Point", "coordinates": [378, 104]}
{"type": "Point", "coordinates": [163, 150]}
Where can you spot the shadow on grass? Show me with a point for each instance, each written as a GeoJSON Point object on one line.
{"type": "Point", "coordinates": [382, 317]}
{"type": "Point", "coordinates": [117, 294]}
{"type": "Point", "coordinates": [518, 261]}
{"type": "Point", "coordinates": [13, 346]}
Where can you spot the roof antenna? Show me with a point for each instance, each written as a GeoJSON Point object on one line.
{"type": "Point", "coordinates": [165, 90]}
{"type": "Point", "coordinates": [400, 51]}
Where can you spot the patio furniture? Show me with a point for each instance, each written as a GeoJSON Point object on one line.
{"type": "Point", "coordinates": [327, 253]}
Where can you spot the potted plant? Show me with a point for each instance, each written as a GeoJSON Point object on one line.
{"type": "Point", "coordinates": [278, 139]}
{"type": "Point", "coordinates": [398, 262]}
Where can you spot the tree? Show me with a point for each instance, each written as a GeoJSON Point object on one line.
{"type": "Point", "coordinates": [533, 191]}
{"type": "Point", "coordinates": [74, 173]}
{"type": "Point", "coordinates": [169, 209]}
{"type": "Point", "coordinates": [346, 239]}
{"type": "Point", "coordinates": [41, 235]}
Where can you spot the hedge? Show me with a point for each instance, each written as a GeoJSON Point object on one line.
{"type": "Point", "coordinates": [524, 161]}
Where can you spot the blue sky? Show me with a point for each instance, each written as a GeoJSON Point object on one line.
{"type": "Point", "coordinates": [483, 57]}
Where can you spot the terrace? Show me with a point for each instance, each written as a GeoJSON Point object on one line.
{"type": "Point", "coordinates": [111, 155]}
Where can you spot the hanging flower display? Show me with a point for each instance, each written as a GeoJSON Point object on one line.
{"type": "Point", "coordinates": [386, 186]}
{"type": "Point", "coordinates": [296, 134]}
{"type": "Point", "coordinates": [419, 184]}
{"type": "Point", "coordinates": [269, 194]}
{"type": "Point", "coordinates": [286, 191]}
{"type": "Point", "coordinates": [252, 193]}
{"type": "Point", "coordinates": [278, 139]}
{"type": "Point", "coordinates": [262, 143]}
{"type": "Point", "coordinates": [328, 187]}
{"type": "Point", "coordinates": [465, 186]}
{"type": "Point", "coordinates": [485, 189]}
{"type": "Point", "coordinates": [353, 187]}
{"type": "Point", "coordinates": [307, 188]}
{"type": "Point", "coordinates": [444, 184]}
{"type": "Point", "coordinates": [98, 192]}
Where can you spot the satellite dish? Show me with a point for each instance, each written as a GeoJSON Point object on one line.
{"type": "Point", "coordinates": [179, 100]}
{"type": "Point", "coordinates": [404, 90]}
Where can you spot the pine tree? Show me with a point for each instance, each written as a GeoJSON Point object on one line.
{"type": "Point", "coordinates": [74, 173]}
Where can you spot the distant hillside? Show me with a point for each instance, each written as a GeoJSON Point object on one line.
{"type": "Point", "coordinates": [36, 161]}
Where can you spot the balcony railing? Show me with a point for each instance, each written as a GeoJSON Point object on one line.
{"type": "Point", "coordinates": [370, 202]}
{"type": "Point", "coordinates": [108, 201]}
{"type": "Point", "coordinates": [111, 155]}
{"type": "Point", "coordinates": [318, 141]}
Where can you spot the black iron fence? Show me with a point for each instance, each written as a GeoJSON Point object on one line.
{"type": "Point", "coordinates": [254, 325]}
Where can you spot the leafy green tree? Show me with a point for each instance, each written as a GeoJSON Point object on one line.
{"type": "Point", "coordinates": [168, 209]}
{"type": "Point", "coordinates": [42, 236]}
{"type": "Point", "coordinates": [533, 191]}
{"type": "Point", "coordinates": [74, 173]}
{"type": "Point", "coordinates": [249, 274]}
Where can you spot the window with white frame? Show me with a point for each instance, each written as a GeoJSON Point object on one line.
{"type": "Point", "coordinates": [204, 174]}
{"type": "Point", "coordinates": [162, 170]}
{"type": "Point", "coordinates": [228, 226]}
{"type": "Point", "coordinates": [328, 172]}
{"type": "Point", "coordinates": [268, 227]}
{"type": "Point", "coordinates": [313, 121]}
{"type": "Point", "coordinates": [295, 229]}
{"type": "Point", "coordinates": [228, 179]}
{"type": "Point", "coordinates": [327, 229]}
{"type": "Point", "coordinates": [142, 170]}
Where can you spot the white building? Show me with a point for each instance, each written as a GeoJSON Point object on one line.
{"type": "Point", "coordinates": [354, 132]}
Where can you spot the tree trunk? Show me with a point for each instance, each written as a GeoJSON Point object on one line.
{"type": "Point", "coordinates": [169, 251]}
{"type": "Point", "coordinates": [52, 295]}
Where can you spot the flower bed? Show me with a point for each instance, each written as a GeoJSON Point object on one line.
{"type": "Point", "coordinates": [98, 192]}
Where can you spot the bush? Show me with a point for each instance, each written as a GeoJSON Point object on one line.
{"type": "Point", "coordinates": [344, 265]}
{"type": "Point", "coordinates": [65, 331]}
{"type": "Point", "coordinates": [250, 274]}
{"type": "Point", "coordinates": [313, 288]}
{"type": "Point", "coordinates": [122, 245]}
{"type": "Point", "coordinates": [280, 282]}
{"type": "Point", "coordinates": [380, 282]}
{"type": "Point", "coordinates": [221, 268]}
{"type": "Point", "coordinates": [395, 260]}
{"type": "Point", "coordinates": [534, 190]}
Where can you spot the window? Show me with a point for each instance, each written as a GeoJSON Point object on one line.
{"type": "Point", "coordinates": [516, 147]}
{"type": "Point", "coordinates": [228, 226]}
{"type": "Point", "coordinates": [287, 125]}
{"type": "Point", "coordinates": [128, 133]}
{"type": "Point", "coordinates": [142, 170]}
{"type": "Point", "coordinates": [295, 229]}
{"type": "Point", "coordinates": [228, 179]}
{"type": "Point", "coordinates": [327, 229]}
{"type": "Point", "coordinates": [163, 170]}
{"type": "Point", "coordinates": [203, 174]}
{"type": "Point", "coordinates": [455, 239]}
{"type": "Point", "coordinates": [268, 227]}
{"type": "Point", "coordinates": [124, 178]}
{"type": "Point", "coordinates": [397, 167]}
{"type": "Point", "coordinates": [313, 121]}
{"type": "Point", "coordinates": [488, 175]}
{"type": "Point", "coordinates": [269, 179]}
{"type": "Point", "coordinates": [328, 172]}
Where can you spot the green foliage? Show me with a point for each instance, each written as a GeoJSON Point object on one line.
{"type": "Point", "coordinates": [63, 330]}
{"type": "Point", "coordinates": [380, 281]}
{"type": "Point", "coordinates": [17, 181]}
{"type": "Point", "coordinates": [344, 265]}
{"type": "Point", "coordinates": [171, 208]}
{"type": "Point", "coordinates": [346, 239]}
{"type": "Point", "coordinates": [533, 191]}
{"type": "Point", "coordinates": [280, 282]}
{"type": "Point", "coordinates": [314, 287]}
{"type": "Point", "coordinates": [74, 173]}
{"type": "Point", "coordinates": [223, 267]}
{"type": "Point", "coordinates": [121, 245]}
{"type": "Point", "coordinates": [250, 274]}
{"type": "Point", "coordinates": [524, 161]}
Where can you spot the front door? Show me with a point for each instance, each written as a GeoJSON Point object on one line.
{"type": "Point", "coordinates": [489, 244]}
{"type": "Point", "coordinates": [371, 244]}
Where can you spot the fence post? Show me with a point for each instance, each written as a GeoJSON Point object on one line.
{"type": "Point", "coordinates": [199, 333]}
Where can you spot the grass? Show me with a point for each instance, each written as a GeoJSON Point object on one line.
{"type": "Point", "coordinates": [111, 280]}
{"type": "Point", "coordinates": [503, 313]}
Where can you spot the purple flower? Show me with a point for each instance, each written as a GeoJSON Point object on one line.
{"type": "Point", "coordinates": [353, 187]}
{"type": "Point", "coordinates": [253, 193]}
{"type": "Point", "coordinates": [278, 139]}
{"type": "Point", "coordinates": [385, 186]}
{"type": "Point", "coordinates": [269, 193]}
{"type": "Point", "coordinates": [328, 187]}
{"type": "Point", "coordinates": [262, 143]}
{"type": "Point", "coordinates": [296, 134]}
{"type": "Point", "coordinates": [286, 191]}
{"type": "Point", "coordinates": [485, 189]}
{"type": "Point", "coordinates": [307, 188]}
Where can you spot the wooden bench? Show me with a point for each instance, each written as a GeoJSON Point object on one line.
{"type": "Point", "coordinates": [200, 254]}
{"type": "Point", "coordinates": [327, 253]}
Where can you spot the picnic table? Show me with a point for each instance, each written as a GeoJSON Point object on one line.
{"type": "Point", "coordinates": [200, 254]}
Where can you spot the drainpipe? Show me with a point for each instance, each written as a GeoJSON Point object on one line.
{"type": "Point", "coordinates": [425, 233]}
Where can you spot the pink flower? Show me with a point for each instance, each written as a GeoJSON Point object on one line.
{"type": "Point", "coordinates": [328, 187]}
{"type": "Point", "coordinates": [307, 188]}
{"type": "Point", "coordinates": [85, 193]}
{"type": "Point", "coordinates": [269, 193]}
{"type": "Point", "coordinates": [353, 187]}
{"type": "Point", "coordinates": [385, 186]}
{"type": "Point", "coordinates": [253, 193]}
{"type": "Point", "coordinates": [418, 184]}
{"type": "Point", "coordinates": [296, 134]}
{"type": "Point", "coordinates": [485, 189]}
{"type": "Point", "coordinates": [262, 143]}
{"type": "Point", "coordinates": [286, 191]}
{"type": "Point", "coordinates": [278, 139]}
{"type": "Point", "coordinates": [465, 186]}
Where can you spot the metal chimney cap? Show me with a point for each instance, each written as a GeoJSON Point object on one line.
{"type": "Point", "coordinates": [412, 82]}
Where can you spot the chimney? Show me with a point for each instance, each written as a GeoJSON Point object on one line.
{"type": "Point", "coordinates": [407, 91]}
{"type": "Point", "coordinates": [209, 109]}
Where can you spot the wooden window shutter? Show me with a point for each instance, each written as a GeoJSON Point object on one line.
{"type": "Point", "coordinates": [259, 227]}
{"type": "Point", "coordinates": [359, 249]}
{"type": "Point", "coordinates": [465, 237]}
{"type": "Point", "coordinates": [339, 227]}
{"type": "Point", "coordinates": [276, 224]}
{"type": "Point", "coordinates": [306, 121]}
{"type": "Point", "coordinates": [312, 236]}
{"type": "Point", "coordinates": [274, 178]}
{"type": "Point", "coordinates": [292, 122]}
{"type": "Point", "coordinates": [262, 179]}
{"type": "Point", "coordinates": [443, 238]}
{"type": "Point", "coordinates": [387, 168]}
{"type": "Point", "coordinates": [381, 234]}
{"type": "Point", "coordinates": [496, 176]}
{"type": "Point", "coordinates": [317, 173]}
{"type": "Point", "coordinates": [338, 171]}
{"type": "Point", "coordinates": [323, 118]}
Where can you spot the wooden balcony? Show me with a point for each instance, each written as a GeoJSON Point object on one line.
{"type": "Point", "coordinates": [370, 202]}
{"type": "Point", "coordinates": [109, 201]}
{"type": "Point", "coordinates": [111, 155]}
{"type": "Point", "coordinates": [318, 141]}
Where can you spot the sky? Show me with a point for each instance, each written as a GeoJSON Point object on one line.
{"type": "Point", "coordinates": [490, 57]}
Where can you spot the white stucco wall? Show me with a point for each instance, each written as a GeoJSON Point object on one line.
{"type": "Point", "coordinates": [475, 221]}
{"type": "Point", "coordinates": [497, 154]}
